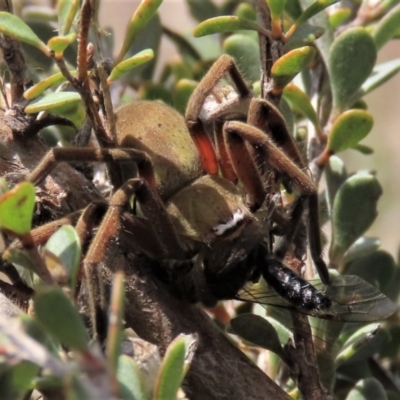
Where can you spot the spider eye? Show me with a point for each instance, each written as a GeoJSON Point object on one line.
{"type": "Point", "coordinates": [223, 227]}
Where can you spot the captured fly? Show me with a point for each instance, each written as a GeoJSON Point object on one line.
{"type": "Point", "coordinates": [348, 298]}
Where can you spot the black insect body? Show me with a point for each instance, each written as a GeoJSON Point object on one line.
{"type": "Point", "coordinates": [296, 290]}
{"type": "Point", "coordinates": [348, 298]}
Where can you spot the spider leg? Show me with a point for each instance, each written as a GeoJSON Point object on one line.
{"type": "Point", "coordinates": [235, 131]}
{"type": "Point", "coordinates": [267, 118]}
{"type": "Point", "coordinates": [154, 210]}
{"type": "Point", "coordinates": [224, 66]}
{"type": "Point", "coordinates": [56, 155]}
{"type": "Point", "coordinates": [227, 169]}
{"type": "Point", "coordinates": [244, 167]}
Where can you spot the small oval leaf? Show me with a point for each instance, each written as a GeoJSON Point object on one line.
{"type": "Point", "coordinates": [339, 17]}
{"type": "Point", "coordinates": [45, 84]}
{"type": "Point", "coordinates": [300, 102]}
{"type": "Point", "coordinates": [354, 210]}
{"type": "Point", "coordinates": [66, 245]}
{"type": "Point", "coordinates": [356, 342]}
{"type": "Point", "coordinates": [130, 379]}
{"type": "Point", "coordinates": [14, 27]}
{"type": "Point", "coordinates": [59, 43]}
{"type": "Point", "coordinates": [130, 63]}
{"type": "Point", "coordinates": [377, 267]}
{"type": "Point", "coordinates": [53, 101]}
{"type": "Point", "coordinates": [139, 19]}
{"type": "Point", "coordinates": [362, 247]}
{"type": "Point", "coordinates": [387, 27]}
{"type": "Point", "coordinates": [55, 311]}
{"type": "Point", "coordinates": [227, 23]}
{"type": "Point", "coordinates": [290, 64]}
{"type": "Point", "coordinates": [66, 12]}
{"type": "Point", "coordinates": [308, 13]}
{"type": "Point", "coordinates": [257, 330]}
{"type": "Point", "coordinates": [381, 74]}
{"type": "Point", "coordinates": [182, 92]}
{"type": "Point", "coordinates": [367, 389]}
{"type": "Point", "coordinates": [336, 175]}
{"type": "Point", "coordinates": [352, 58]}
{"type": "Point", "coordinates": [116, 312]}
{"type": "Point", "coordinates": [245, 51]}
{"type": "Point", "coordinates": [16, 208]}
{"type": "Point", "coordinates": [171, 371]}
{"type": "Point", "coordinates": [348, 129]}
{"type": "Point", "coordinates": [304, 35]}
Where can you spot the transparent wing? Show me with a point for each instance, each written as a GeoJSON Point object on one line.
{"type": "Point", "coordinates": [353, 299]}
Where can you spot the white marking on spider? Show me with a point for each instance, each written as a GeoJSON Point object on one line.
{"type": "Point", "coordinates": [237, 217]}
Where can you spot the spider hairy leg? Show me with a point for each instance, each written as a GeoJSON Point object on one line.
{"type": "Point", "coordinates": [93, 155]}
{"type": "Point", "coordinates": [154, 210]}
{"type": "Point", "coordinates": [274, 125]}
{"type": "Point", "coordinates": [224, 66]}
{"type": "Point", "coordinates": [283, 164]}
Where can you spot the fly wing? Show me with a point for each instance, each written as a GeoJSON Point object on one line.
{"type": "Point", "coordinates": [353, 299]}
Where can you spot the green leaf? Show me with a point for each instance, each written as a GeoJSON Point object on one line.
{"type": "Point", "coordinates": [181, 94]}
{"type": "Point", "coordinates": [348, 129]}
{"type": "Point", "coordinates": [228, 23]}
{"type": "Point", "coordinates": [66, 12]}
{"type": "Point", "coordinates": [171, 372]}
{"type": "Point", "coordinates": [16, 381]}
{"type": "Point", "coordinates": [186, 49]}
{"type": "Point", "coordinates": [354, 210]}
{"type": "Point", "coordinates": [300, 102]}
{"type": "Point", "coordinates": [14, 27]}
{"type": "Point", "coordinates": [202, 9]}
{"type": "Point", "coordinates": [130, 379]}
{"type": "Point", "coordinates": [339, 17]}
{"type": "Point", "coordinates": [35, 331]}
{"type": "Point", "coordinates": [245, 51]}
{"type": "Point", "coordinates": [304, 35]}
{"type": "Point", "coordinates": [21, 259]}
{"type": "Point", "coordinates": [16, 208]}
{"type": "Point", "coordinates": [276, 7]}
{"type": "Point", "coordinates": [116, 313]}
{"type": "Point", "coordinates": [139, 19]}
{"type": "Point", "coordinates": [366, 268]}
{"type": "Point", "coordinates": [45, 84]}
{"type": "Point", "coordinates": [358, 341]}
{"type": "Point", "coordinates": [59, 43]}
{"type": "Point", "coordinates": [259, 331]}
{"type": "Point", "coordinates": [66, 245]}
{"type": "Point", "coordinates": [55, 311]}
{"type": "Point", "coordinates": [244, 10]}
{"type": "Point", "coordinates": [336, 175]}
{"type": "Point", "coordinates": [129, 64]}
{"type": "Point", "coordinates": [362, 247]}
{"type": "Point", "coordinates": [352, 58]}
{"type": "Point", "coordinates": [381, 74]}
{"type": "Point", "coordinates": [367, 389]}
{"type": "Point", "coordinates": [366, 150]}
{"type": "Point", "coordinates": [290, 64]}
{"type": "Point", "coordinates": [308, 13]}
{"type": "Point", "coordinates": [57, 101]}
{"type": "Point", "coordinates": [387, 27]}
{"type": "Point", "coordinates": [293, 9]}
